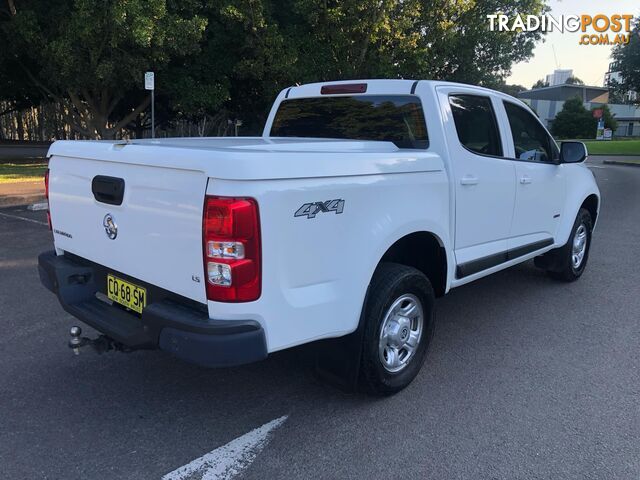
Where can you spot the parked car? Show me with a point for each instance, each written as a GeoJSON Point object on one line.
{"type": "Point", "coordinates": [360, 204]}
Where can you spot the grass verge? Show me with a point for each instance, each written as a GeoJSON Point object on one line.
{"type": "Point", "coordinates": [613, 147]}
{"type": "Point", "coordinates": [13, 171]}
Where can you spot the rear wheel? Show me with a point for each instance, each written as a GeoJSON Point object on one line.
{"type": "Point", "coordinates": [399, 321]}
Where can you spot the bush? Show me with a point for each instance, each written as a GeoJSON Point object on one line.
{"type": "Point", "coordinates": [575, 121]}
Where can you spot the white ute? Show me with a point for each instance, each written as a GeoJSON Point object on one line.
{"type": "Point", "coordinates": [361, 202]}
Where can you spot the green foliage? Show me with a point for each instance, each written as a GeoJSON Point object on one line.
{"type": "Point", "coordinates": [574, 81]}
{"type": "Point", "coordinates": [575, 121]}
{"type": "Point", "coordinates": [617, 92]}
{"type": "Point", "coordinates": [512, 90]}
{"type": "Point", "coordinates": [539, 84]}
{"type": "Point", "coordinates": [15, 91]}
{"type": "Point", "coordinates": [228, 59]}
{"type": "Point", "coordinates": [94, 52]}
{"type": "Point", "coordinates": [459, 47]}
{"type": "Point", "coordinates": [254, 49]}
{"type": "Point", "coordinates": [437, 39]}
{"type": "Point", "coordinates": [627, 57]}
{"type": "Point", "coordinates": [12, 172]}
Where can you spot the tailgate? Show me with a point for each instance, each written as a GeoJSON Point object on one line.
{"type": "Point", "coordinates": [159, 223]}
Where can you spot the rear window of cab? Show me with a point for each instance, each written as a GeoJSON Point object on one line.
{"type": "Point", "coordinates": [390, 118]}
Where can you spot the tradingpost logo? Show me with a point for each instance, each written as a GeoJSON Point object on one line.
{"type": "Point", "coordinates": [596, 29]}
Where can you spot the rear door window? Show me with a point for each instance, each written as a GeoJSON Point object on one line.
{"type": "Point", "coordinates": [391, 118]}
{"type": "Point", "coordinates": [476, 124]}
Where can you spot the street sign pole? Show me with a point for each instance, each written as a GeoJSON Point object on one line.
{"type": "Point", "coordinates": [149, 84]}
{"type": "Point", "coordinates": [153, 114]}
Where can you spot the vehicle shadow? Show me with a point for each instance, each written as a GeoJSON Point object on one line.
{"type": "Point", "coordinates": [153, 413]}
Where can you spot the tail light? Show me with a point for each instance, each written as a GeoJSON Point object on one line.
{"type": "Point", "coordinates": [46, 196]}
{"type": "Point", "coordinates": [343, 88]}
{"type": "Point", "coordinates": [231, 248]}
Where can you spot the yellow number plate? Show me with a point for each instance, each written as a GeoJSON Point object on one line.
{"type": "Point", "coordinates": [127, 294]}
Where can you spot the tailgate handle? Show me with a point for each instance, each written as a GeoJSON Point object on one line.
{"type": "Point", "coordinates": [108, 189]}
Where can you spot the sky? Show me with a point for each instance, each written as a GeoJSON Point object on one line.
{"type": "Point", "coordinates": [589, 62]}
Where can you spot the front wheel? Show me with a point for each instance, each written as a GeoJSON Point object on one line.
{"type": "Point", "coordinates": [571, 259]}
{"type": "Point", "coordinates": [399, 322]}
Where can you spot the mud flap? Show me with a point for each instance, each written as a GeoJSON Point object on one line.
{"type": "Point", "coordinates": [338, 359]}
{"type": "Point", "coordinates": [552, 260]}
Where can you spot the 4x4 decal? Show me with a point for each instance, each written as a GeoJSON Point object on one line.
{"type": "Point", "coordinates": [310, 210]}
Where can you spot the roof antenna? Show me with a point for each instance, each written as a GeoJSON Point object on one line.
{"type": "Point", "coordinates": [554, 56]}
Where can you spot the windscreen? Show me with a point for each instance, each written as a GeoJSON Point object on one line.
{"type": "Point", "coordinates": [391, 118]}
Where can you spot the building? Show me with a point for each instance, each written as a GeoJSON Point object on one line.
{"type": "Point", "coordinates": [558, 77]}
{"type": "Point", "coordinates": [613, 76]}
{"type": "Point", "coordinates": [548, 101]}
{"type": "Point", "coordinates": [628, 117]}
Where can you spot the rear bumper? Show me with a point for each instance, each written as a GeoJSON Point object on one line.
{"type": "Point", "coordinates": [184, 331]}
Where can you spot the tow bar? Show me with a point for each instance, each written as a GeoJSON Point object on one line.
{"type": "Point", "coordinates": [100, 344]}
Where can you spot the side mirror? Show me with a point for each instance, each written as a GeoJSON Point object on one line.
{"type": "Point", "coordinates": [573, 152]}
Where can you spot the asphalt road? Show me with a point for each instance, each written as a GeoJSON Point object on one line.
{"type": "Point", "coordinates": [527, 378]}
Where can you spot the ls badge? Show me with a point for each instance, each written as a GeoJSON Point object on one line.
{"type": "Point", "coordinates": [310, 210]}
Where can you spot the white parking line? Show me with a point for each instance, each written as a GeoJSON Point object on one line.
{"type": "Point", "coordinates": [38, 206]}
{"type": "Point", "coordinates": [227, 461]}
{"type": "Point", "coordinates": [24, 219]}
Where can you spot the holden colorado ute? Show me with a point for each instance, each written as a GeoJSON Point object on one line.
{"type": "Point", "coordinates": [360, 204]}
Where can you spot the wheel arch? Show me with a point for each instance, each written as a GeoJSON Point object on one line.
{"type": "Point", "coordinates": [592, 204]}
{"type": "Point", "coordinates": [590, 200]}
{"type": "Point", "coordinates": [424, 251]}
{"type": "Point", "coordinates": [340, 358]}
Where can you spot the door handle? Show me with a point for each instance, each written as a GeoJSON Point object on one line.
{"type": "Point", "coordinates": [109, 190]}
{"type": "Point", "coordinates": [525, 179]}
{"type": "Point", "coordinates": [469, 180]}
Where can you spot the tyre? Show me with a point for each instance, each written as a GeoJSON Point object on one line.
{"type": "Point", "coordinates": [570, 260]}
{"type": "Point", "coordinates": [399, 323]}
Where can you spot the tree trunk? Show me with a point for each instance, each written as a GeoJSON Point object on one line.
{"type": "Point", "coordinates": [20, 125]}
{"type": "Point", "coordinates": [138, 129]}
{"type": "Point", "coordinates": [41, 127]}
{"type": "Point", "coordinates": [92, 115]}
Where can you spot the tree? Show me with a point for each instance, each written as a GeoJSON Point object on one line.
{"type": "Point", "coordinates": [15, 92]}
{"type": "Point", "coordinates": [617, 92]}
{"type": "Point", "coordinates": [539, 84]}
{"type": "Point", "coordinates": [258, 61]}
{"type": "Point", "coordinates": [410, 39]}
{"type": "Point", "coordinates": [459, 47]}
{"type": "Point", "coordinates": [253, 49]}
{"type": "Point", "coordinates": [512, 90]}
{"type": "Point", "coordinates": [573, 121]}
{"type": "Point", "coordinates": [225, 59]}
{"type": "Point", "coordinates": [627, 58]}
{"type": "Point", "coordinates": [94, 53]}
{"type": "Point", "coordinates": [574, 81]}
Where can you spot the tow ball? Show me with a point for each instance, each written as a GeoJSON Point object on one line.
{"type": "Point", "coordinates": [100, 344]}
